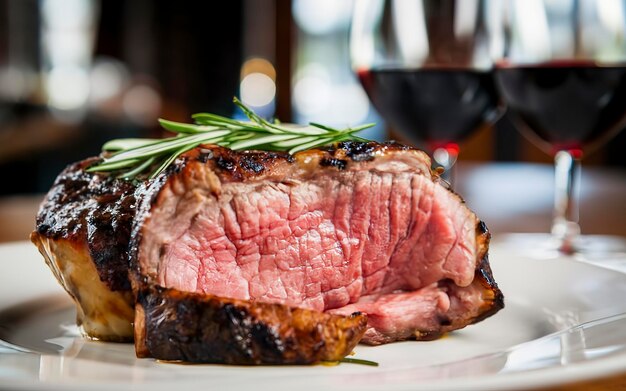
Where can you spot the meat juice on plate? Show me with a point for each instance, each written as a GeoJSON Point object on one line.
{"type": "Point", "coordinates": [437, 107]}
{"type": "Point", "coordinates": [565, 104]}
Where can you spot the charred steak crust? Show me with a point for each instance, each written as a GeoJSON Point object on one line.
{"type": "Point", "coordinates": [94, 209]}
{"type": "Point", "coordinates": [83, 230]}
{"type": "Point", "coordinates": [493, 296]}
{"type": "Point", "coordinates": [496, 300]}
{"type": "Point", "coordinates": [174, 325]}
{"type": "Point", "coordinates": [244, 165]}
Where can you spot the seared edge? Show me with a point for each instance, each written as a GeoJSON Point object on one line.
{"type": "Point", "coordinates": [493, 296]}
{"type": "Point", "coordinates": [100, 312]}
{"type": "Point", "coordinates": [236, 166]}
{"type": "Point", "coordinates": [95, 210]}
{"type": "Point", "coordinates": [83, 230]}
{"type": "Point", "coordinates": [177, 326]}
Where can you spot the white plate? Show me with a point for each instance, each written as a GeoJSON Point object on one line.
{"type": "Point", "coordinates": [542, 297]}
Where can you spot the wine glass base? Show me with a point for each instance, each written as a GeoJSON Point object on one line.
{"type": "Point", "coordinates": [602, 250]}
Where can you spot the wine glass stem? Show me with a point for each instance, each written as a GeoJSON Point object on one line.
{"type": "Point", "coordinates": [445, 157]}
{"type": "Point", "coordinates": [565, 226]}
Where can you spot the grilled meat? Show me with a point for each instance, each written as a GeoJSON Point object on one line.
{"type": "Point", "coordinates": [289, 243]}
{"type": "Point", "coordinates": [360, 228]}
{"type": "Point", "coordinates": [192, 327]}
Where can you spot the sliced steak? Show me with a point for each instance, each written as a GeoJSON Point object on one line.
{"type": "Point", "coordinates": [173, 325]}
{"type": "Point", "coordinates": [362, 227]}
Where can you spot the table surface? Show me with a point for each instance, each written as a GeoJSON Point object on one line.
{"type": "Point", "coordinates": [511, 197]}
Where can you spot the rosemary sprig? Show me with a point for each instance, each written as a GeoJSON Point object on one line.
{"type": "Point", "coordinates": [132, 157]}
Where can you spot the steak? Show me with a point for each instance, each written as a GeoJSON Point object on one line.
{"type": "Point", "coordinates": [359, 228]}
{"type": "Point", "coordinates": [263, 257]}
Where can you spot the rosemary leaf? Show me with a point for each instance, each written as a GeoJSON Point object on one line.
{"type": "Point", "coordinates": [272, 128]}
{"type": "Point", "coordinates": [293, 143]}
{"type": "Point", "coordinates": [312, 144]}
{"type": "Point", "coordinates": [359, 361]}
{"type": "Point", "coordinates": [113, 166]}
{"type": "Point", "coordinates": [212, 119]}
{"type": "Point", "coordinates": [326, 128]}
{"type": "Point", "coordinates": [361, 127]}
{"type": "Point", "coordinates": [138, 170]}
{"type": "Point", "coordinates": [167, 145]}
{"type": "Point", "coordinates": [249, 143]}
{"type": "Point", "coordinates": [178, 127]}
{"type": "Point", "coordinates": [306, 130]}
{"type": "Point", "coordinates": [171, 159]}
{"type": "Point", "coordinates": [127, 143]}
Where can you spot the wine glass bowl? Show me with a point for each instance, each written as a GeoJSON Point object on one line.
{"type": "Point", "coordinates": [573, 106]}
{"type": "Point", "coordinates": [562, 75]}
{"type": "Point", "coordinates": [427, 69]}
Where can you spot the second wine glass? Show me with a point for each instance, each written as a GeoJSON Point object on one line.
{"type": "Point", "coordinates": [562, 73]}
{"type": "Point", "coordinates": [426, 67]}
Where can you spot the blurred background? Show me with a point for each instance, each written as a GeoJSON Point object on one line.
{"type": "Point", "coordinates": [75, 73]}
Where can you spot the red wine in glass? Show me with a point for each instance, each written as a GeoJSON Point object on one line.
{"type": "Point", "coordinates": [570, 105]}
{"type": "Point", "coordinates": [437, 108]}
{"type": "Point", "coordinates": [565, 107]}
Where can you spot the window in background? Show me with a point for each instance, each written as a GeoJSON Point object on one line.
{"type": "Point", "coordinates": [257, 86]}
{"type": "Point", "coordinates": [76, 73]}
{"type": "Point", "coordinates": [324, 87]}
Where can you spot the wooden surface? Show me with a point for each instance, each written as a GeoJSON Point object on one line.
{"type": "Point", "coordinates": [508, 197]}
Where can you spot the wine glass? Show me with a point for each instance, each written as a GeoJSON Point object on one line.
{"type": "Point", "coordinates": [425, 66]}
{"type": "Point", "coordinates": [562, 74]}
